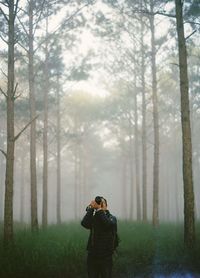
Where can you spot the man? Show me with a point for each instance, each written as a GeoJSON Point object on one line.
{"type": "Point", "coordinates": [101, 242]}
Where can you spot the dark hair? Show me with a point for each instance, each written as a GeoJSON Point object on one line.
{"type": "Point", "coordinates": [98, 199]}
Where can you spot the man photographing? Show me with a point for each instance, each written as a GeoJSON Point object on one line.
{"type": "Point", "coordinates": [102, 239]}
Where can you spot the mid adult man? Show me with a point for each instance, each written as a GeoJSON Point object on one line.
{"type": "Point", "coordinates": [101, 242]}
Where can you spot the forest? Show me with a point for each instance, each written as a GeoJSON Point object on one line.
{"type": "Point", "coordinates": [99, 97]}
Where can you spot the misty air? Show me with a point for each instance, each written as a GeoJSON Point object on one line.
{"type": "Point", "coordinates": [99, 148]}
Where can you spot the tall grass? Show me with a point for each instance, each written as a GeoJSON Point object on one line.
{"type": "Point", "coordinates": [60, 251]}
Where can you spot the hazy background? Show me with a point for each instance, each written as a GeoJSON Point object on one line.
{"type": "Point", "coordinates": [96, 54]}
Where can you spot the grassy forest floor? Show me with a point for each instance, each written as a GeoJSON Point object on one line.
{"type": "Point", "coordinates": [59, 251]}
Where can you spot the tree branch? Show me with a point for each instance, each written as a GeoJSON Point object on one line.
{"type": "Point", "coordinates": [191, 34]}
{"type": "Point", "coordinates": [5, 16]}
{"type": "Point", "coordinates": [15, 89]}
{"type": "Point", "coordinates": [6, 76]}
{"type": "Point", "coordinates": [60, 26]}
{"type": "Point", "coordinates": [165, 14]}
{"type": "Point", "coordinates": [16, 97]}
{"type": "Point", "coordinates": [22, 46]}
{"type": "Point", "coordinates": [16, 7]}
{"type": "Point", "coordinates": [192, 22]}
{"type": "Point", "coordinates": [4, 153]}
{"type": "Point", "coordinates": [26, 126]}
{"type": "Point", "coordinates": [3, 93]}
{"type": "Point", "coordinates": [22, 24]}
{"type": "Point", "coordinates": [39, 17]}
{"type": "Point", "coordinates": [3, 39]}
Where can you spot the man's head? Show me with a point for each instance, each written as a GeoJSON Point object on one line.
{"type": "Point", "coordinates": [101, 201]}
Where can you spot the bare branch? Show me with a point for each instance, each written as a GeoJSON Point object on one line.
{"type": "Point", "coordinates": [18, 96]}
{"type": "Point", "coordinates": [16, 7]}
{"type": "Point", "coordinates": [4, 74]}
{"type": "Point", "coordinates": [3, 39]}
{"type": "Point", "coordinates": [5, 4]}
{"type": "Point", "coordinates": [174, 64]}
{"type": "Point", "coordinates": [165, 14]}
{"type": "Point", "coordinates": [39, 17]}
{"type": "Point", "coordinates": [5, 16]}
{"type": "Point", "coordinates": [4, 153]}
{"type": "Point", "coordinates": [22, 24]}
{"type": "Point", "coordinates": [3, 93]}
{"type": "Point", "coordinates": [190, 35]}
{"type": "Point", "coordinates": [15, 89]}
{"type": "Point", "coordinates": [26, 126]}
{"type": "Point", "coordinates": [192, 22]}
{"type": "Point", "coordinates": [22, 46]}
{"type": "Point", "coordinates": [61, 26]}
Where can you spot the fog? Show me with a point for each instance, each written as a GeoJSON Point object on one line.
{"type": "Point", "coordinates": [92, 89]}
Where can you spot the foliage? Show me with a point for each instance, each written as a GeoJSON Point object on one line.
{"type": "Point", "coordinates": [59, 251]}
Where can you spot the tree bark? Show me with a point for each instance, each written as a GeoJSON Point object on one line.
{"type": "Point", "coordinates": [22, 189]}
{"type": "Point", "coordinates": [76, 183]}
{"type": "Point", "coordinates": [137, 163]}
{"type": "Point", "coordinates": [8, 205]}
{"type": "Point", "coordinates": [155, 217]}
{"type": "Point", "coordinates": [58, 210]}
{"type": "Point", "coordinates": [45, 136]}
{"type": "Point", "coordinates": [144, 136]}
{"type": "Point", "coordinates": [189, 217]}
{"type": "Point", "coordinates": [33, 177]}
{"type": "Point", "coordinates": [131, 170]}
{"type": "Point", "coordinates": [124, 184]}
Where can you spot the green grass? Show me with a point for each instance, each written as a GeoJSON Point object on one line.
{"type": "Point", "coordinates": [59, 251]}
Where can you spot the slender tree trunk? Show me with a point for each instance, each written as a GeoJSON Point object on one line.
{"type": "Point", "coordinates": [137, 163]}
{"type": "Point", "coordinates": [124, 185]}
{"type": "Point", "coordinates": [45, 136]}
{"type": "Point", "coordinates": [189, 217]}
{"type": "Point", "coordinates": [58, 154]}
{"type": "Point", "coordinates": [34, 218]}
{"type": "Point", "coordinates": [1, 187]}
{"type": "Point", "coordinates": [8, 209]}
{"type": "Point", "coordinates": [131, 170]}
{"type": "Point", "coordinates": [22, 189]}
{"type": "Point", "coordinates": [144, 137]}
{"type": "Point", "coordinates": [80, 181]}
{"type": "Point", "coordinates": [76, 183]}
{"type": "Point", "coordinates": [155, 123]}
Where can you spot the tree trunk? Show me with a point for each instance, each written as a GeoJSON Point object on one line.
{"type": "Point", "coordinates": [58, 210]}
{"type": "Point", "coordinates": [22, 189]}
{"type": "Point", "coordinates": [124, 184]}
{"type": "Point", "coordinates": [137, 163]}
{"type": "Point", "coordinates": [155, 123]}
{"type": "Point", "coordinates": [189, 218]}
{"type": "Point", "coordinates": [8, 205]}
{"type": "Point", "coordinates": [131, 170]}
{"type": "Point", "coordinates": [45, 136]}
{"type": "Point", "coordinates": [33, 177]}
{"type": "Point", "coordinates": [76, 183]}
{"type": "Point", "coordinates": [144, 137]}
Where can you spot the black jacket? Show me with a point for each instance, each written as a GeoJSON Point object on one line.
{"type": "Point", "coordinates": [103, 227]}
